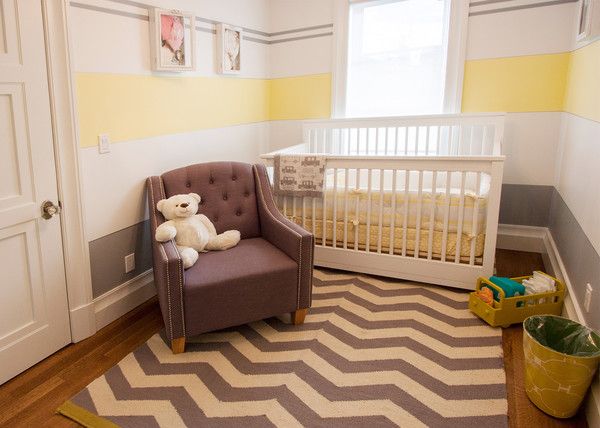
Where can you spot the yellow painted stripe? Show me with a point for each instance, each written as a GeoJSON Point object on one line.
{"type": "Point", "coordinates": [132, 106]}
{"type": "Point", "coordinates": [303, 97]}
{"type": "Point", "coordinates": [583, 87]}
{"type": "Point", "coordinates": [515, 84]}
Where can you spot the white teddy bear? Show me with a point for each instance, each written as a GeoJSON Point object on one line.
{"type": "Point", "coordinates": [193, 232]}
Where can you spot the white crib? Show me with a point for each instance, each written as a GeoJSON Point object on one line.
{"type": "Point", "coordinates": [406, 197]}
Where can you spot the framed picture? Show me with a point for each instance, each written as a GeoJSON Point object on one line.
{"type": "Point", "coordinates": [172, 35]}
{"type": "Point", "coordinates": [229, 49]}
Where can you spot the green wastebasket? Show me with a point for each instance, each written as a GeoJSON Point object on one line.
{"type": "Point", "coordinates": [561, 358]}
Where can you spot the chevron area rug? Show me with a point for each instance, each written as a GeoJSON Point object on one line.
{"type": "Point", "coordinates": [372, 352]}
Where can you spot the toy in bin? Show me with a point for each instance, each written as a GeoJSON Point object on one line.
{"type": "Point", "coordinates": [504, 301]}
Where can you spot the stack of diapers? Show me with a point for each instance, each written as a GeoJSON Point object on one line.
{"type": "Point", "coordinates": [539, 283]}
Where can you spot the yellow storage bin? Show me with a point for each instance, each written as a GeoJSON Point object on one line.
{"type": "Point", "coordinates": [512, 310]}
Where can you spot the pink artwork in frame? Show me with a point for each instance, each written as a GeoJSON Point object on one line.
{"type": "Point", "coordinates": [173, 40]}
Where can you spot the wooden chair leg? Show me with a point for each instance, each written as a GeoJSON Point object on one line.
{"type": "Point", "coordinates": [178, 345]}
{"type": "Point", "coordinates": [298, 316]}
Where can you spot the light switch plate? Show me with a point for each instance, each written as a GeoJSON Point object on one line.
{"type": "Point", "coordinates": [103, 143]}
{"type": "Point", "coordinates": [587, 300]}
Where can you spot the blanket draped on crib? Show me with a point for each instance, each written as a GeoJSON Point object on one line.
{"type": "Point", "coordinates": [299, 175]}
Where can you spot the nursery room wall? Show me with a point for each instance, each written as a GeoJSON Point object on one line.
{"type": "Point", "coordinates": [156, 121]}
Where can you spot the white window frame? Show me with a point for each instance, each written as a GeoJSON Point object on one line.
{"type": "Point", "coordinates": [455, 61]}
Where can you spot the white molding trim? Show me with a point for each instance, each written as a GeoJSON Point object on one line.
{"type": "Point", "coordinates": [456, 55]}
{"type": "Point", "coordinates": [117, 302]}
{"type": "Point", "coordinates": [66, 147]}
{"type": "Point", "coordinates": [539, 239]}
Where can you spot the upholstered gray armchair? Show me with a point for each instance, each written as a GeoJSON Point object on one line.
{"type": "Point", "coordinates": [268, 273]}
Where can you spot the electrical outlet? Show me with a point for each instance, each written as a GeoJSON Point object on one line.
{"type": "Point", "coordinates": [129, 262]}
{"type": "Point", "coordinates": [103, 143]}
{"type": "Point", "coordinates": [587, 300]}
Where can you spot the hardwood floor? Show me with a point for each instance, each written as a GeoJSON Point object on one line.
{"type": "Point", "coordinates": [521, 411]}
{"type": "Point", "coordinates": [30, 399]}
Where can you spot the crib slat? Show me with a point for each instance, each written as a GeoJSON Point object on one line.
{"type": "Point", "coordinates": [346, 170]}
{"type": "Point", "coordinates": [406, 140]}
{"type": "Point", "coordinates": [393, 212]}
{"type": "Point", "coordinates": [381, 195]}
{"type": "Point", "coordinates": [386, 140]}
{"type": "Point", "coordinates": [357, 211]}
{"type": "Point", "coordinates": [335, 204]}
{"type": "Point", "coordinates": [439, 139]}
{"type": "Point", "coordinates": [461, 212]}
{"type": "Point", "coordinates": [446, 216]}
{"type": "Point", "coordinates": [346, 141]}
{"type": "Point", "coordinates": [314, 217]}
{"type": "Point", "coordinates": [405, 220]}
{"type": "Point", "coordinates": [474, 220]}
{"type": "Point", "coordinates": [304, 212]}
{"type": "Point", "coordinates": [427, 142]}
{"type": "Point", "coordinates": [285, 210]}
{"type": "Point", "coordinates": [396, 141]}
{"type": "Point", "coordinates": [484, 136]}
{"type": "Point", "coordinates": [419, 209]}
{"type": "Point", "coordinates": [432, 215]}
{"type": "Point", "coordinates": [324, 231]}
{"type": "Point", "coordinates": [294, 212]}
{"type": "Point", "coordinates": [369, 199]}
{"type": "Point", "coordinates": [377, 141]}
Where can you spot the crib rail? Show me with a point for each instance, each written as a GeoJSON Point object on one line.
{"type": "Point", "coordinates": [439, 135]}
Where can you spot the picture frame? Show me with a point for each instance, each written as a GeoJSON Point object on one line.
{"type": "Point", "coordinates": [173, 40]}
{"type": "Point", "coordinates": [229, 49]}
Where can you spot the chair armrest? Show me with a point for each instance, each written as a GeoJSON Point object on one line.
{"type": "Point", "coordinates": [168, 267]}
{"type": "Point", "coordinates": [290, 238]}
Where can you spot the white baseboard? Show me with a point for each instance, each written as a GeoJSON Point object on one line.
{"type": "Point", "coordinates": [539, 239]}
{"type": "Point", "coordinates": [123, 298]}
{"type": "Point", "coordinates": [521, 238]}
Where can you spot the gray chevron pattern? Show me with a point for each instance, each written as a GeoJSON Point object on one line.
{"type": "Point", "coordinates": [372, 352]}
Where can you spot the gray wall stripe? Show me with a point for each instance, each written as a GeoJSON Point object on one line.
{"type": "Point", "coordinates": [110, 11]}
{"type": "Point", "coordinates": [525, 6]}
{"type": "Point", "coordinates": [579, 256]}
{"type": "Point", "coordinates": [292, 39]}
{"type": "Point", "coordinates": [297, 30]}
{"type": "Point", "coordinates": [484, 2]}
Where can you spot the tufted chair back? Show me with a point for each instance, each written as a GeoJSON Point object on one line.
{"type": "Point", "coordinates": [227, 190]}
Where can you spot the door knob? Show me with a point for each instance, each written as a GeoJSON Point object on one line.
{"type": "Point", "coordinates": [49, 210]}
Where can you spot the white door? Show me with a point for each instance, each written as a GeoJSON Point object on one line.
{"type": "Point", "coordinates": [34, 318]}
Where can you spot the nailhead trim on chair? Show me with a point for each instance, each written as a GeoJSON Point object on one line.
{"type": "Point", "coordinates": [180, 268]}
{"type": "Point", "coordinates": [170, 334]}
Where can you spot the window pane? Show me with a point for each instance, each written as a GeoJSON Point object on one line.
{"type": "Point", "coordinates": [397, 55]}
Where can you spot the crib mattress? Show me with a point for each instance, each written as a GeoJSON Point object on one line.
{"type": "Point", "coordinates": [391, 210]}
{"type": "Point", "coordinates": [358, 234]}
